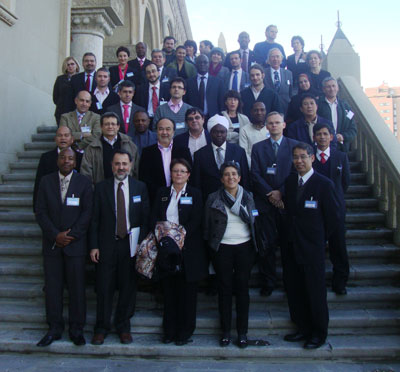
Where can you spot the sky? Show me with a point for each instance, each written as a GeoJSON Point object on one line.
{"type": "Point", "coordinates": [372, 27]}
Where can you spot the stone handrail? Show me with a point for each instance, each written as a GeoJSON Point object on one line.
{"type": "Point", "coordinates": [379, 152]}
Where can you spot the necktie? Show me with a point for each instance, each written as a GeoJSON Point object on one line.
{"type": "Point", "coordinates": [301, 182]}
{"type": "Point", "coordinates": [80, 117]}
{"type": "Point", "coordinates": [202, 93]}
{"type": "Point", "coordinates": [245, 60]}
{"type": "Point", "coordinates": [154, 99]}
{"type": "Point", "coordinates": [64, 183]}
{"type": "Point", "coordinates": [323, 159]}
{"type": "Point", "coordinates": [141, 63]}
{"type": "Point", "coordinates": [277, 82]}
{"type": "Point", "coordinates": [126, 117]}
{"type": "Point", "coordinates": [220, 158]}
{"type": "Point", "coordinates": [235, 81]}
{"type": "Point", "coordinates": [87, 83]}
{"type": "Point", "coordinates": [121, 213]}
{"type": "Point", "coordinates": [275, 146]}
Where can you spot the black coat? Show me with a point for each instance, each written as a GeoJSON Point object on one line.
{"type": "Point", "coordinates": [142, 94]}
{"type": "Point", "coordinates": [78, 84]}
{"type": "Point", "coordinates": [62, 96]}
{"type": "Point", "coordinates": [267, 96]}
{"type": "Point", "coordinates": [190, 217]}
{"type": "Point", "coordinates": [139, 72]}
{"type": "Point", "coordinates": [131, 75]}
{"type": "Point", "coordinates": [111, 99]}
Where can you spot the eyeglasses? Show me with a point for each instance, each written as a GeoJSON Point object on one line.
{"type": "Point", "coordinates": [177, 171]}
{"type": "Point", "coordinates": [110, 124]}
{"type": "Point", "coordinates": [193, 118]}
{"type": "Point", "coordinates": [177, 87]}
{"type": "Point", "coordinates": [301, 157]}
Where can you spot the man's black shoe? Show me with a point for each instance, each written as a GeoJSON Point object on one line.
{"type": "Point", "coordinates": [47, 340]}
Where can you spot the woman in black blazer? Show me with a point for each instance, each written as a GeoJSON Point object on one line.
{"type": "Point", "coordinates": [122, 71]}
{"type": "Point", "coordinates": [182, 204]}
{"type": "Point", "coordinates": [62, 88]}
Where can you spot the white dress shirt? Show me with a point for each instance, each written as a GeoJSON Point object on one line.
{"type": "Point", "coordinates": [101, 96]}
{"type": "Point", "coordinates": [150, 102]}
{"type": "Point", "coordinates": [111, 142]}
{"type": "Point", "coordinates": [223, 147]}
{"type": "Point", "coordinates": [256, 93]}
{"type": "Point", "coordinates": [239, 78]}
{"type": "Point", "coordinates": [327, 153]}
{"type": "Point", "coordinates": [172, 210]}
{"type": "Point", "coordinates": [273, 74]}
{"type": "Point", "coordinates": [197, 143]}
{"type": "Point", "coordinates": [333, 106]}
{"type": "Point", "coordinates": [307, 176]}
{"type": "Point", "coordinates": [125, 189]}
{"type": "Point", "coordinates": [64, 184]}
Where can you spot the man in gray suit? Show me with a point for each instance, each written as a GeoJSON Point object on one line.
{"type": "Point", "coordinates": [279, 79]}
{"type": "Point", "coordinates": [237, 79]}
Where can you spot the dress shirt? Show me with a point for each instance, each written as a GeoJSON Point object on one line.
{"type": "Point", "coordinates": [223, 147]}
{"type": "Point", "coordinates": [141, 61]}
{"type": "Point", "coordinates": [129, 108]}
{"type": "Point", "coordinates": [239, 78]}
{"type": "Point", "coordinates": [166, 153]}
{"type": "Point", "coordinates": [273, 74]}
{"type": "Point", "coordinates": [125, 189]}
{"type": "Point", "coordinates": [196, 143]}
{"type": "Point", "coordinates": [101, 96]}
{"type": "Point", "coordinates": [205, 111]}
{"type": "Point", "coordinates": [310, 125]}
{"type": "Point", "coordinates": [64, 184]}
{"type": "Point", "coordinates": [91, 79]}
{"type": "Point", "coordinates": [175, 108]}
{"type": "Point", "coordinates": [306, 177]}
{"type": "Point", "coordinates": [111, 143]}
{"type": "Point", "coordinates": [278, 142]}
{"type": "Point", "coordinates": [150, 103]}
{"type": "Point", "coordinates": [172, 210]}
{"type": "Point", "coordinates": [327, 153]}
{"type": "Point", "coordinates": [256, 93]}
{"type": "Point", "coordinates": [160, 70]}
{"type": "Point", "coordinates": [333, 106]}
{"type": "Point", "coordinates": [80, 115]}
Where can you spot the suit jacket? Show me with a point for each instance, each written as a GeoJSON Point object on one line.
{"type": "Point", "coordinates": [62, 96]}
{"type": "Point", "coordinates": [139, 72]}
{"type": "Point", "coordinates": [346, 125]}
{"type": "Point", "coordinates": [190, 68]}
{"type": "Point", "coordinates": [190, 217]}
{"type": "Point", "coordinates": [54, 216]}
{"type": "Point", "coordinates": [111, 99]}
{"type": "Point", "coordinates": [78, 84]}
{"type": "Point", "coordinates": [262, 158]}
{"type": "Point", "coordinates": [168, 74]}
{"type": "Point", "coordinates": [285, 91]}
{"type": "Point", "coordinates": [267, 96]}
{"type": "Point", "coordinates": [308, 228]}
{"type": "Point", "coordinates": [151, 168]}
{"type": "Point", "coordinates": [298, 130]}
{"type": "Point", "coordinates": [244, 81]}
{"type": "Point", "coordinates": [206, 175]}
{"type": "Point", "coordinates": [251, 59]}
{"type": "Point", "coordinates": [103, 225]}
{"type": "Point", "coordinates": [262, 49]}
{"type": "Point", "coordinates": [90, 119]}
{"type": "Point", "coordinates": [117, 110]}
{"type": "Point", "coordinates": [114, 75]}
{"type": "Point", "coordinates": [214, 94]}
{"type": "Point", "coordinates": [47, 165]}
{"type": "Point", "coordinates": [182, 140]}
{"type": "Point", "coordinates": [142, 94]}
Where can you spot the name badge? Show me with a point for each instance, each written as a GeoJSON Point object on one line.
{"type": "Point", "coordinates": [248, 84]}
{"type": "Point", "coordinates": [165, 80]}
{"type": "Point", "coordinates": [86, 129]}
{"type": "Point", "coordinates": [164, 198]}
{"type": "Point", "coordinates": [73, 202]}
{"type": "Point", "coordinates": [254, 212]}
{"type": "Point", "coordinates": [271, 171]}
{"type": "Point", "coordinates": [99, 105]}
{"type": "Point", "coordinates": [163, 103]}
{"type": "Point", "coordinates": [350, 115]}
{"type": "Point", "coordinates": [180, 125]}
{"type": "Point", "coordinates": [137, 199]}
{"type": "Point", "coordinates": [129, 74]}
{"type": "Point", "coordinates": [236, 125]}
{"type": "Point", "coordinates": [311, 204]}
{"type": "Point", "coordinates": [186, 200]}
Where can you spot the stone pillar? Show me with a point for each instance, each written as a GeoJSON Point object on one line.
{"type": "Point", "coordinates": [91, 21]}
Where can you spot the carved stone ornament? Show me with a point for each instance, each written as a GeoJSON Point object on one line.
{"type": "Point", "coordinates": [114, 8]}
{"type": "Point", "coordinates": [7, 16]}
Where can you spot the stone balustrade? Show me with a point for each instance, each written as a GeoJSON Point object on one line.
{"type": "Point", "coordinates": [379, 152]}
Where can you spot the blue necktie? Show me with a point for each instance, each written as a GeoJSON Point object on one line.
{"type": "Point", "coordinates": [235, 81]}
{"type": "Point", "coordinates": [277, 82]}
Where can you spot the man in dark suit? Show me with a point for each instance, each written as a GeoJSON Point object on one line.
{"type": "Point", "coordinates": [205, 91]}
{"type": "Point", "coordinates": [140, 62]}
{"type": "Point", "coordinates": [238, 79]}
{"type": "Point", "coordinates": [312, 215]}
{"type": "Point", "coordinates": [121, 205]}
{"type": "Point", "coordinates": [334, 165]}
{"type": "Point", "coordinates": [103, 96]}
{"type": "Point", "coordinates": [339, 112]}
{"type": "Point", "coordinates": [208, 160]}
{"type": "Point", "coordinates": [125, 108]}
{"type": "Point", "coordinates": [166, 73]}
{"type": "Point", "coordinates": [279, 79]}
{"type": "Point", "coordinates": [48, 160]}
{"type": "Point", "coordinates": [156, 159]}
{"type": "Point", "coordinates": [262, 48]}
{"type": "Point", "coordinates": [271, 163]}
{"type": "Point", "coordinates": [247, 56]}
{"type": "Point", "coordinates": [169, 49]}
{"type": "Point", "coordinates": [258, 92]}
{"type": "Point", "coordinates": [63, 212]}
{"type": "Point", "coordinates": [84, 80]}
{"type": "Point", "coordinates": [197, 136]}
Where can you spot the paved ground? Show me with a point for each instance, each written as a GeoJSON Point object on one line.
{"type": "Point", "coordinates": [45, 363]}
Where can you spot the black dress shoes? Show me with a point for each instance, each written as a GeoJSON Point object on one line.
{"type": "Point", "coordinates": [314, 343]}
{"type": "Point", "coordinates": [183, 342]}
{"type": "Point", "coordinates": [47, 340]}
{"type": "Point", "coordinates": [266, 291]}
{"type": "Point", "coordinates": [340, 291]}
{"type": "Point", "coordinates": [242, 341]}
{"type": "Point", "coordinates": [224, 341]}
{"type": "Point", "coordinates": [78, 340]}
{"type": "Point", "coordinates": [294, 337]}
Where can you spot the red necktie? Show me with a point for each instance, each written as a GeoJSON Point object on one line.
{"type": "Point", "coordinates": [141, 63]}
{"type": "Point", "coordinates": [154, 99]}
{"type": "Point", "coordinates": [126, 117]}
{"type": "Point", "coordinates": [87, 84]}
{"type": "Point", "coordinates": [323, 160]}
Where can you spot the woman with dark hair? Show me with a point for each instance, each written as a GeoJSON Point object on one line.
{"type": "Point", "coordinates": [184, 69]}
{"type": "Point", "coordinates": [182, 205]}
{"type": "Point", "coordinates": [122, 71]}
{"type": "Point", "coordinates": [313, 61]}
{"type": "Point", "coordinates": [229, 230]}
{"type": "Point", "coordinates": [62, 87]}
{"type": "Point", "coordinates": [296, 62]}
{"type": "Point", "coordinates": [233, 105]}
{"type": "Point", "coordinates": [217, 68]}
{"type": "Point", "coordinates": [191, 50]}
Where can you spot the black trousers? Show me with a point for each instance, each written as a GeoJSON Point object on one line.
{"type": "Point", "coordinates": [180, 303]}
{"type": "Point", "coordinates": [117, 272]}
{"type": "Point", "coordinates": [57, 271]}
{"type": "Point", "coordinates": [306, 292]}
{"type": "Point", "coordinates": [233, 265]}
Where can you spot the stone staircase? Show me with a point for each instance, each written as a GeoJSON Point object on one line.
{"type": "Point", "coordinates": [364, 325]}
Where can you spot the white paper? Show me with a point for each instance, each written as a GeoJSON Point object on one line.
{"type": "Point", "coordinates": [133, 240]}
{"type": "Point", "coordinates": [350, 115]}
{"type": "Point", "coordinates": [86, 129]}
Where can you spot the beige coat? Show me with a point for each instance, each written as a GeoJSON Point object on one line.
{"type": "Point", "coordinates": [233, 137]}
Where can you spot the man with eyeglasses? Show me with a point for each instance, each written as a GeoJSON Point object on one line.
{"type": "Point", "coordinates": [311, 216]}
{"type": "Point", "coordinates": [96, 162]}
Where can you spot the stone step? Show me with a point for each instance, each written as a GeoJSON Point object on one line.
{"type": "Point", "coordinates": [355, 166]}
{"type": "Point", "coordinates": [29, 155]}
{"type": "Point", "coordinates": [365, 217]}
{"type": "Point", "coordinates": [358, 191]}
{"type": "Point", "coordinates": [149, 346]}
{"type": "Point", "coordinates": [16, 190]}
{"type": "Point", "coordinates": [17, 217]}
{"type": "Point", "coordinates": [23, 166]}
{"type": "Point", "coordinates": [362, 203]}
{"type": "Point", "coordinates": [43, 137]}
{"type": "Point", "coordinates": [39, 146]}
{"type": "Point", "coordinates": [24, 231]}
{"type": "Point", "coordinates": [47, 129]}
{"type": "Point", "coordinates": [16, 202]}
{"type": "Point", "coordinates": [21, 179]}
{"type": "Point", "coordinates": [358, 178]}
